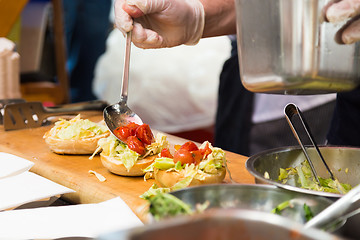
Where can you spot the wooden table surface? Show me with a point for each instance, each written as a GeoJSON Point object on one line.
{"type": "Point", "coordinates": [72, 171]}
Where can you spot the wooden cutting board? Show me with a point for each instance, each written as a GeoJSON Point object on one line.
{"type": "Point", "coordinates": [73, 171]}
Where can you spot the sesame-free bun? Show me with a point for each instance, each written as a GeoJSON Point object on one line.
{"type": "Point", "coordinates": [117, 167]}
{"type": "Point", "coordinates": [73, 146]}
{"type": "Point", "coordinates": [168, 179]}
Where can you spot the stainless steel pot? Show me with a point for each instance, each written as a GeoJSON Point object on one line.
{"type": "Point", "coordinates": [286, 47]}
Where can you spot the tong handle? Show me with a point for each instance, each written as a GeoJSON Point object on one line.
{"type": "Point", "coordinates": [291, 110]}
{"type": "Point", "coordinates": [338, 211]}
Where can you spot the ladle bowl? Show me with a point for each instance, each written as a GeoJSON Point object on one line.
{"type": "Point", "coordinates": [119, 114]}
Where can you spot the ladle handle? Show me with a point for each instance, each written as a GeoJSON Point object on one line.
{"type": "Point", "coordinates": [125, 77]}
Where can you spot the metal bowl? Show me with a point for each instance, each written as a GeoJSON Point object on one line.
{"type": "Point", "coordinates": [262, 198]}
{"type": "Point", "coordinates": [343, 161]}
{"type": "Point", "coordinates": [223, 224]}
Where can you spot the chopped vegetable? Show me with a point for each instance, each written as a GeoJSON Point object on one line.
{"type": "Point", "coordinates": [281, 207]}
{"type": "Point", "coordinates": [77, 128]}
{"type": "Point", "coordinates": [290, 204]}
{"type": "Point", "coordinates": [212, 160]}
{"type": "Point", "coordinates": [112, 147]}
{"type": "Point", "coordinates": [308, 213]}
{"type": "Point", "coordinates": [100, 177]}
{"type": "Point", "coordinates": [166, 205]}
{"type": "Point", "coordinates": [302, 174]}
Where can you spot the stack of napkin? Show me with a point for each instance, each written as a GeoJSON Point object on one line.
{"type": "Point", "coordinates": [9, 70]}
{"type": "Point", "coordinates": [20, 188]}
{"type": "Point", "coordinates": [22, 218]}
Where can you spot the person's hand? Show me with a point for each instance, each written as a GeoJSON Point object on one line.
{"type": "Point", "coordinates": [342, 10]}
{"type": "Point", "coordinates": [161, 23]}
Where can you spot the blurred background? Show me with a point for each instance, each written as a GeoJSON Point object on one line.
{"type": "Point", "coordinates": [70, 52]}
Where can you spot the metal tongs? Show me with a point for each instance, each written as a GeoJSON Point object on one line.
{"type": "Point", "coordinates": [291, 110]}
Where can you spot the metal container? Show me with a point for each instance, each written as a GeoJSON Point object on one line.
{"type": "Point", "coordinates": [344, 162]}
{"type": "Point", "coordinates": [223, 224]}
{"type": "Point", "coordinates": [263, 198]}
{"type": "Point", "coordinates": [286, 47]}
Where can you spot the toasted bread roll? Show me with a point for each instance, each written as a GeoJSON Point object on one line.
{"type": "Point", "coordinates": [75, 136]}
{"type": "Point", "coordinates": [167, 179]}
{"type": "Point", "coordinates": [117, 167]}
{"type": "Point", "coordinates": [73, 146]}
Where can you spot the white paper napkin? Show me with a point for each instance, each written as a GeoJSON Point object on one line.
{"type": "Point", "coordinates": [11, 165]}
{"type": "Point", "coordinates": [27, 187]}
{"type": "Point", "coordinates": [85, 220]}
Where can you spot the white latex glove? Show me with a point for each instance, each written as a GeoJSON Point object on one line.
{"type": "Point", "coordinates": [161, 23]}
{"type": "Point", "coordinates": [342, 10]}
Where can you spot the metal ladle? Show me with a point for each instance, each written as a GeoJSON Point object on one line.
{"type": "Point", "coordinates": [291, 110]}
{"type": "Point", "coordinates": [119, 114]}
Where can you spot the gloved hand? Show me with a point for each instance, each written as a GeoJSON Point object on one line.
{"type": "Point", "coordinates": [342, 10]}
{"type": "Point", "coordinates": [161, 23]}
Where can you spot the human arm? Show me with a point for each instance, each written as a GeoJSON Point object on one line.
{"type": "Point", "coordinates": [168, 23]}
{"type": "Point", "coordinates": [220, 18]}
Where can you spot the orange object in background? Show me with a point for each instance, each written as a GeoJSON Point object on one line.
{"type": "Point", "coordinates": [9, 13]}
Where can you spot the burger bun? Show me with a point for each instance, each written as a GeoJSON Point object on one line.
{"type": "Point", "coordinates": [73, 146]}
{"type": "Point", "coordinates": [168, 179]}
{"type": "Point", "coordinates": [117, 167]}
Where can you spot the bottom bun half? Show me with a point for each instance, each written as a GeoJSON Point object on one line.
{"type": "Point", "coordinates": [168, 179]}
{"type": "Point", "coordinates": [73, 146]}
{"type": "Point", "coordinates": [117, 167]}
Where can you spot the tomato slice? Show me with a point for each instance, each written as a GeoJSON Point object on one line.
{"type": "Point", "coordinates": [206, 150]}
{"type": "Point", "coordinates": [132, 126]}
{"type": "Point", "coordinates": [190, 146]}
{"type": "Point", "coordinates": [122, 133]}
{"type": "Point", "coordinates": [166, 153]}
{"type": "Point", "coordinates": [177, 147]}
{"type": "Point", "coordinates": [184, 156]}
{"type": "Point", "coordinates": [136, 145]}
{"type": "Point", "coordinates": [143, 132]}
{"type": "Point", "coordinates": [197, 156]}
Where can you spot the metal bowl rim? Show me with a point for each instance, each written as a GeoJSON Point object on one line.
{"type": "Point", "coordinates": [249, 164]}
{"type": "Point", "coordinates": [268, 187]}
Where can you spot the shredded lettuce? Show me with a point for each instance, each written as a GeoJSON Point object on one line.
{"type": "Point", "coordinates": [112, 147]}
{"type": "Point", "coordinates": [154, 190]}
{"type": "Point", "coordinates": [290, 204]}
{"type": "Point", "coordinates": [303, 175]}
{"type": "Point", "coordinates": [283, 174]}
{"type": "Point", "coordinates": [164, 163]}
{"type": "Point", "coordinates": [214, 161]}
{"type": "Point", "coordinates": [190, 173]}
{"type": "Point", "coordinates": [77, 128]}
{"type": "Point", "coordinates": [165, 205]}
{"type": "Point", "coordinates": [156, 147]}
